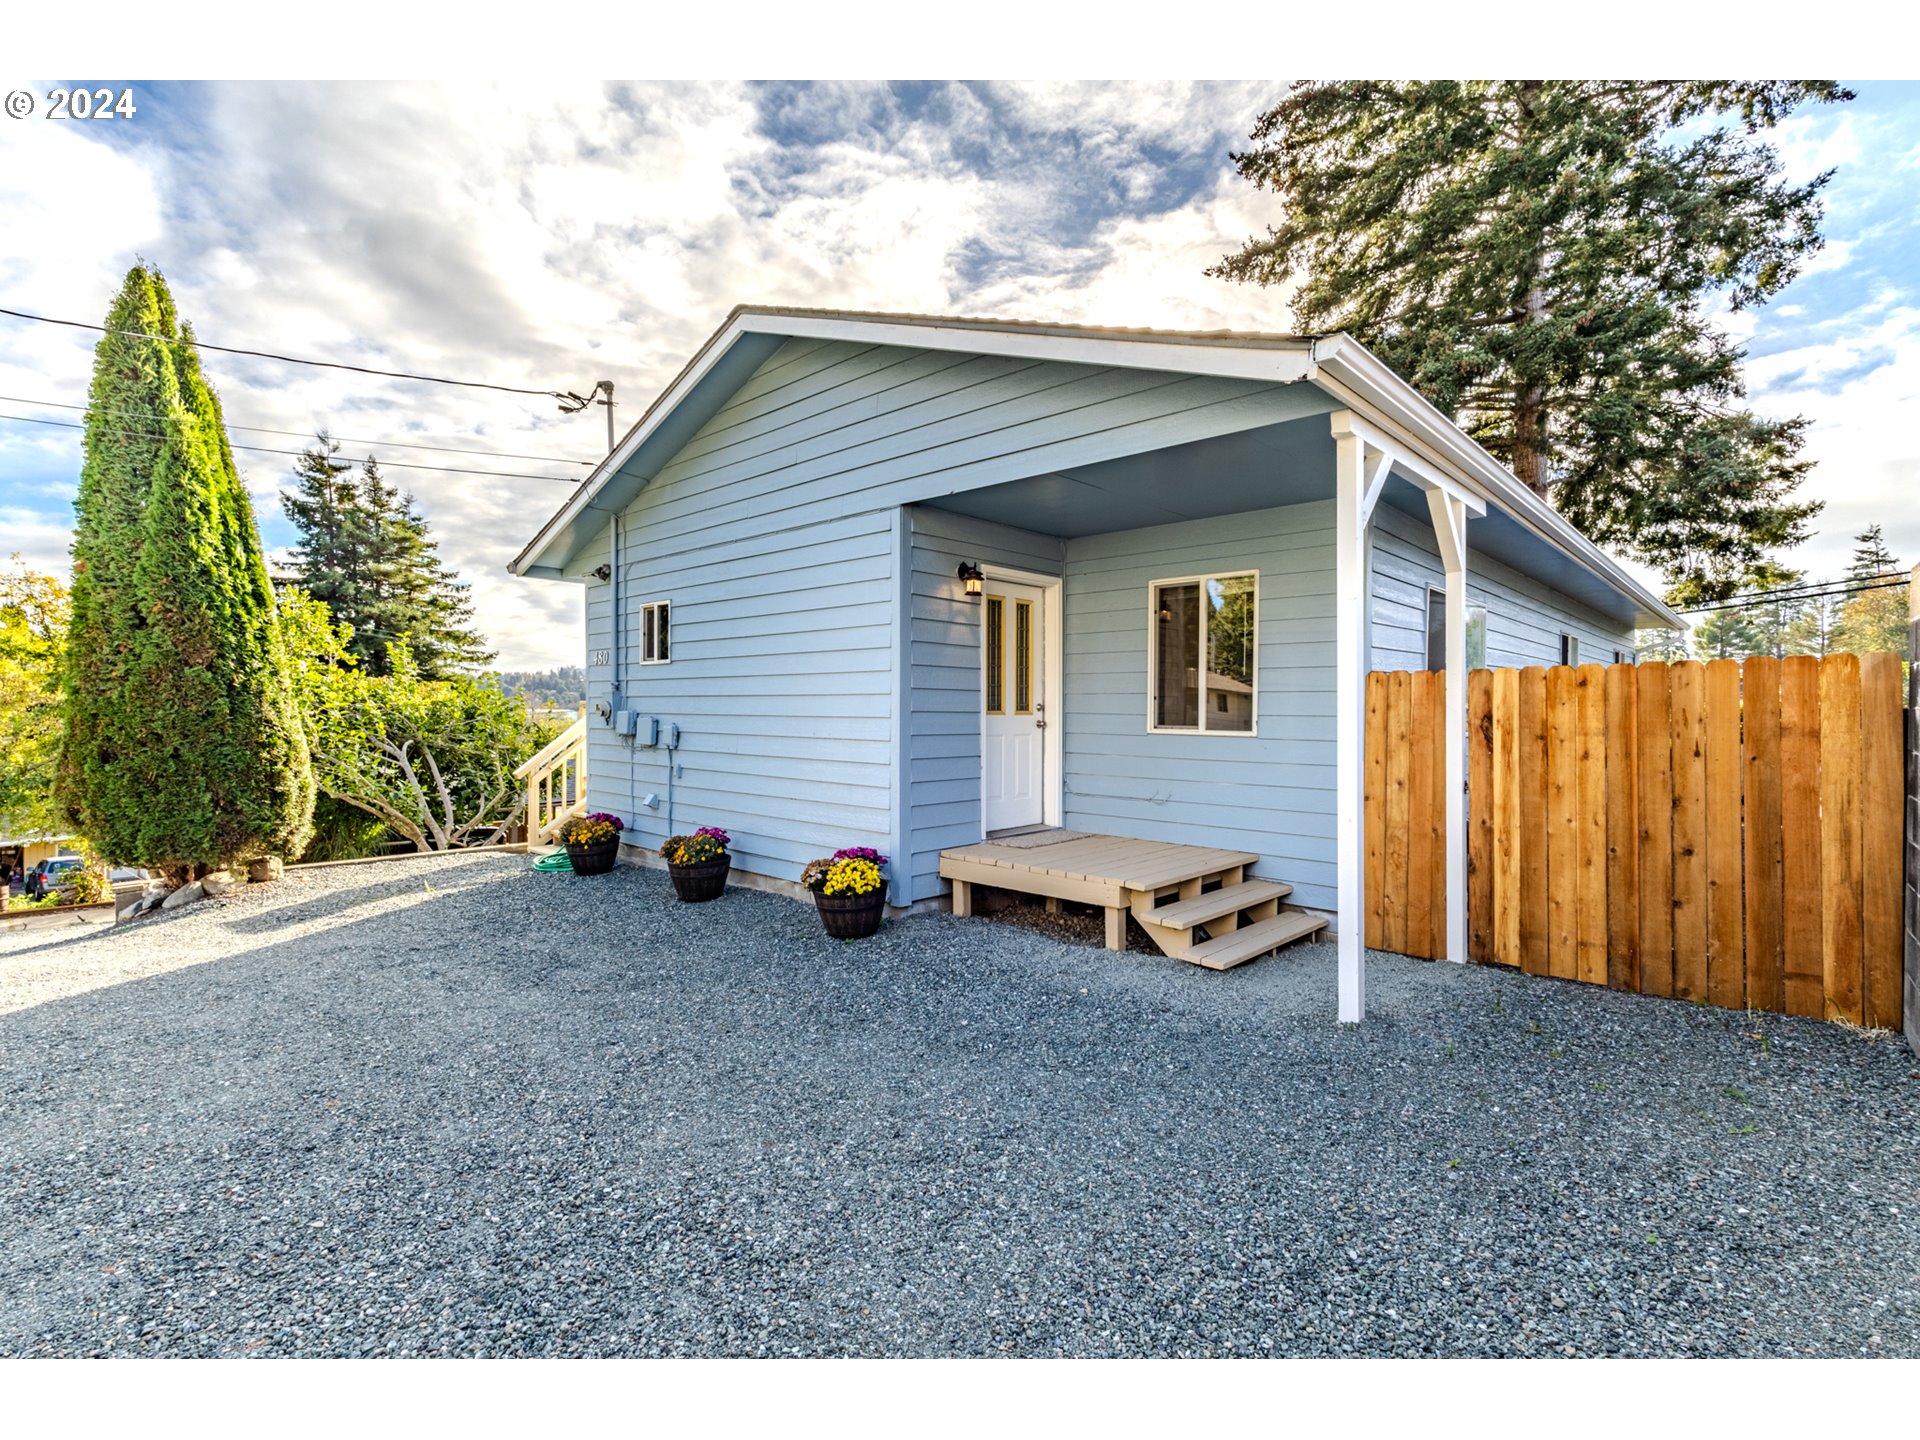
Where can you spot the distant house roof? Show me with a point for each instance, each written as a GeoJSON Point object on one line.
{"type": "Point", "coordinates": [1336, 363]}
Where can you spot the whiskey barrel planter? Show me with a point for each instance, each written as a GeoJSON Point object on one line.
{"type": "Point", "coordinates": [594, 859]}
{"type": "Point", "coordinates": [695, 883]}
{"type": "Point", "coordinates": [851, 917]}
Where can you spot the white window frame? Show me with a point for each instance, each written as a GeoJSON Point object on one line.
{"type": "Point", "coordinates": [1569, 649]}
{"type": "Point", "coordinates": [1206, 611]}
{"type": "Point", "coordinates": [641, 628]}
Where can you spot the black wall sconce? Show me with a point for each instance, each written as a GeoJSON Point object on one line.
{"type": "Point", "coordinates": [602, 572]}
{"type": "Point", "coordinates": [973, 577]}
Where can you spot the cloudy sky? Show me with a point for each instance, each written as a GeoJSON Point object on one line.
{"type": "Point", "coordinates": [552, 239]}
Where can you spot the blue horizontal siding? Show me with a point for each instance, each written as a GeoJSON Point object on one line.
{"type": "Point", "coordinates": [1271, 793]}
{"type": "Point", "coordinates": [943, 806]}
{"type": "Point", "coordinates": [770, 531]}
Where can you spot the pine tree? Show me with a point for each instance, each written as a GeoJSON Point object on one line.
{"type": "Point", "coordinates": [1872, 560]}
{"type": "Point", "coordinates": [1815, 630]}
{"type": "Point", "coordinates": [366, 553]}
{"type": "Point", "coordinates": [1727, 635]}
{"type": "Point", "coordinates": [1537, 258]}
{"type": "Point", "coordinates": [325, 506]}
{"type": "Point", "coordinates": [183, 749]}
{"type": "Point", "coordinates": [1874, 619]}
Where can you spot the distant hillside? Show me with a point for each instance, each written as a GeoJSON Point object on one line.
{"type": "Point", "coordinates": [563, 688]}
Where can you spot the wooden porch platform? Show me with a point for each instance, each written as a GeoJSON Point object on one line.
{"type": "Point", "coordinates": [1197, 903]}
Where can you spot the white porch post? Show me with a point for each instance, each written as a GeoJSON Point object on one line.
{"type": "Point", "coordinates": [1450, 529]}
{"type": "Point", "coordinates": [1359, 472]}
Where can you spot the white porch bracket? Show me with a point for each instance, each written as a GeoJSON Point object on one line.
{"type": "Point", "coordinates": [1450, 529]}
{"type": "Point", "coordinates": [1364, 457]}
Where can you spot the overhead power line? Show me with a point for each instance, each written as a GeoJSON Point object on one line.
{"type": "Point", "coordinates": [304, 434]}
{"type": "Point", "coordinates": [1892, 581]}
{"type": "Point", "coordinates": [293, 359]}
{"type": "Point", "coordinates": [263, 450]}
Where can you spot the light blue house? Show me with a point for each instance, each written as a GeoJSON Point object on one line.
{"type": "Point", "coordinates": [912, 582]}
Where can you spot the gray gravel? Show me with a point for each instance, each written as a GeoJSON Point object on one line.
{"type": "Point", "coordinates": [457, 1107]}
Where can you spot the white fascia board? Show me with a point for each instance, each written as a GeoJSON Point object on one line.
{"type": "Point", "coordinates": [1348, 371]}
{"type": "Point", "coordinates": [1280, 363]}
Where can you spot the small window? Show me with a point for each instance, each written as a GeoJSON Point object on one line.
{"type": "Point", "coordinates": [1202, 669]}
{"type": "Point", "coordinates": [995, 652]}
{"type": "Point", "coordinates": [1023, 657]}
{"type": "Point", "coordinates": [1569, 649]}
{"type": "Point", "coordinates": [1437, 633]}
{"type": "Point", "coordinates": [1623, 657]}
{"type": "Point", "coordinates": [655, 643]}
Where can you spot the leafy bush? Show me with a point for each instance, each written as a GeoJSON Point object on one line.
{"type": "Point", "coordinates": [86, 885]}
{"type": "Point", "coordinates": [344, 832]}
{"type": "Point", "coordinates": [433, 759]}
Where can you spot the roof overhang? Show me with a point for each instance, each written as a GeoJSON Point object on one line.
{"type": "Point", "coordinates": [1345, 369]}
{"type": "Point", "coordinates": [1430, 443]}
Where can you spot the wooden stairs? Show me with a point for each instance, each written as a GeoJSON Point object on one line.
{"type": "Point", "coordinates": [1196, 903]}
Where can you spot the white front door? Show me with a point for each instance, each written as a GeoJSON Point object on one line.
{"type": "Point", "coordinates": [1014, 711]}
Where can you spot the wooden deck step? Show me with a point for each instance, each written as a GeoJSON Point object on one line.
{"type": "Point", "coordinates": [1239, 946]}
{"type": "Point", "coordinates": [1227, 900]}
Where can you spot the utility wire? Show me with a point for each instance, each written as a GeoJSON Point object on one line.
{"type": "Point", "coordinates": [1794, 598]}
{"type": "Point", "coordinates": [289, 359]}
{"type": "Point", "coordinates": [306, 434]}
{"type": "Point", "coordinates": [263, 450]}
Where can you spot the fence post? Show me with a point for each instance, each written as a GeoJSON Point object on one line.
{"type": "Point", "coordinates": [1911, 908]}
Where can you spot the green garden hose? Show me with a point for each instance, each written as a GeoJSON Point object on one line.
{"type": "Point", "coordinates": [556, 861]}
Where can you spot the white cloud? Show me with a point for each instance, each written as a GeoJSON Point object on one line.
{"type": "Point", "coordinates": [1860, 386]}
{"type": "Point", "coordinates": [555, 237]}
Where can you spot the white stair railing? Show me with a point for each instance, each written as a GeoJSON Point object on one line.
{"type": "Point", "coordinates": [556, 781]}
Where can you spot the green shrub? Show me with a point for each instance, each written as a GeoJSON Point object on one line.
{"type": "Point", "coordinates": [183, 749]}
{"type": "Point", "coordinates": [341, 832]}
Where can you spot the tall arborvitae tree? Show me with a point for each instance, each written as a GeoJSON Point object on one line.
{"type": "Point", "coordinates": [183, 749]}
{"type": "Point", "coordinates": [365, 552]}
{"type": "Point", "coordinates": [1540, 258]}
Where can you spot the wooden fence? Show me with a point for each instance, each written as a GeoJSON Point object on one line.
{"type": "Point", "coordinates": [1727, 832]}
{"type": "Point", "coordinates": [1405, 817]}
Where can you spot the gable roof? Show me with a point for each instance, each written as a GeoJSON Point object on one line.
{"type": "Point", "coordinates": [1335, 363]}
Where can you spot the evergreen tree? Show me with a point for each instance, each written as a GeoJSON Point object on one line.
{"type": "Point", "coordinates": [1770, 619]}
{"type": "Point", "coordinates": [183, 748]}
{"type": "Point", "coordinates": [325, 506]}
{"type": "Point", "coordinates": [1537, 258]}
{"type": "Point", "coordinates": [418, 598]}
{"type": "Point", "coordinates": [1815, 630]}
{"type": "Point", "coordinates": [1876, 619]}
{"type": "Point", "coordinates": [365, 553]}
{"type": "Point", "coordinates": [1726, 635]}
{"type": "Point", "coordinates": [1872, 560]}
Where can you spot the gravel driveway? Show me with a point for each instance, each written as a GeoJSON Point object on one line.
{"type": "Point", "coordinates": [456, 1107]}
